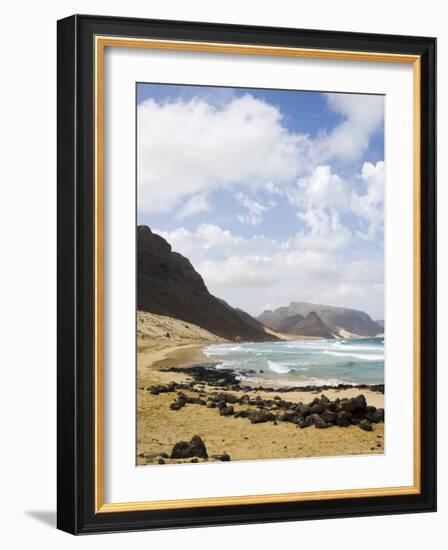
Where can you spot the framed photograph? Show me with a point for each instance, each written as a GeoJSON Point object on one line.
{"type": "Point", "coordinates": [246, 274]}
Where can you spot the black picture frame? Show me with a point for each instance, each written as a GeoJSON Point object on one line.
{"type": "Point", "coordinates": [76, 255]}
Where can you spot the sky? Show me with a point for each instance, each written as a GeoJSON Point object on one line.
{"type": "Point", "coordinates": [273, 195]}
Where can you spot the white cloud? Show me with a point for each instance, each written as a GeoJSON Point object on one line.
{"type": "Point", "coordinates": [209, 240]}
{"type": "Point", "coordinates": [255, 210]}
{"type": "Point", "coordinates": [323, 196]}
{"type": "Point", "coordinates": [369, 205]}
{"type": "Point", "coordinates": [321, 189]}
{"type": "Point", "coordinates": [191, 147]}
{"type": "Point", "coordinates": [273, 189]}
{"type": "Point", "coordinates": [364, 115]}
{"type": "Point", "coordinates": [194, 205]}
{"type": "Point", "coordinates": [325, 231]}
{"type": "Point", "coordinates": [252, 273]}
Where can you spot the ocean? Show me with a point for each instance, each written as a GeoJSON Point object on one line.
{"type": "Point", "coordinates": [304, 362]}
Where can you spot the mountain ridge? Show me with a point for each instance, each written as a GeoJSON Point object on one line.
{"type": "Point", "coordinates": [336, 318]}
{"type": "Point", "coordinates": [168, 285]}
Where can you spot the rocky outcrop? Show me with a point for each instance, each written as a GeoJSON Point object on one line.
{"type": "Point", "coordinates": [167, 284]}
{"type": "Point", "coordinates": [351, 320]}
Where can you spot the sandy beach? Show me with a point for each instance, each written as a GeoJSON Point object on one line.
{"type": "Point", "coordinates": [164, 343]}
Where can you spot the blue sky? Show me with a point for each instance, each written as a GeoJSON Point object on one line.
{"type": "Point", "coordinates": [273, 195]}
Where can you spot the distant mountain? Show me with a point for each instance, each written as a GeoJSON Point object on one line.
{"type": "Point", "coordinates": [167, 284]}
{"type": "Point", "coordinates": [380, 322]}
{"type": "Point", "coordinates": [311, 325]}
{"type": "Point", "coordinates": [287, 324]}
{"type": "Point", "coordinates": [335, 318]}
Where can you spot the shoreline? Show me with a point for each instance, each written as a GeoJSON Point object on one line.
{"type": "Point", "coordinates": [180, 358]}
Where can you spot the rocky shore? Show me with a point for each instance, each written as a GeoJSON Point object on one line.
{"type": "Point", "coordinates": [229, 378]}
{"type": "Point", "coordinates": [205, 414]}
{"type": "Point", "coordinates": [321, 412]}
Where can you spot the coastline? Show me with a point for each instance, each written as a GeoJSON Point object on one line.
{"type": "Point", "coordinates": [163, 361]}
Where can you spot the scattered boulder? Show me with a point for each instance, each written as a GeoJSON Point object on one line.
{"type": "Point", "coordinates": [261, 416]}
{"type": "Point", "coordinates": [227, 411]}
{"type": "Point", "coordinates": [195, 448]}
{"type": "Point", "coordinates": [242, 414]}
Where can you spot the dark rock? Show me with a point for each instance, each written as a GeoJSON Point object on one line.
{"type": "Point", "coordinates": [194, 460]}
{"type": "Point", "coordinates": [196, 401]}
{"type": "Point", "coordinates": [378, 415]}
{"type": "Point", "coordinates": [242, 414]}
{"type": "Point", "coordinates": [343, 419]}
{"type": "Point", "coordinates": [320, 423]}
{"type": "Point", "coordinates": [195, 447]}
{"type": "Point", "coordinates": [211, 404]}
{"type": "Point", "coordinates": [177, 405]}
{"type": "Point", "coordinates": [290, 417]}
{"type": "Point", "coordinates": [329, 416]}
{"type": "Point", "coordinates": [164, 455]}
{"type": "Point", "coordinates": [306, 422]}
{"type": "Point", "coordinates": [224, 457]}
{"type": "Point", "coordinates": [348, 405]}
{"type": "Point", "coordinates": [261, 416]}
{"type": "Point", "coordinates": [160, 461]}
{"type": "Point", "coordinates": [305, 410]}
{"type": "Point", "coordinates": [226, 397]}
{"type": "Point", "coordinates": [316, 408]}
{"type": "Point", "coordinates": [365, 425]}
{"type": "Point", "coordinates": [208, 374]}
{"type": "Point", "coordinates": [155, 390]}
{"type": "Point", "coordinates": [227, 411]}
{"type": "Point", "coordinates": [361, 402]}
